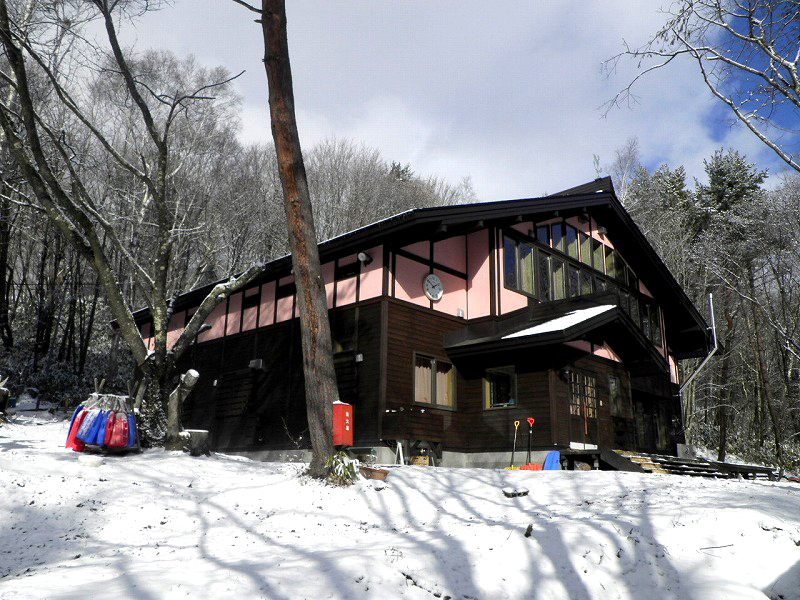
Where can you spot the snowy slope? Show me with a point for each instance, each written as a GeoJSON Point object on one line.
{"type": "Point", "coordinates": [164, 525]}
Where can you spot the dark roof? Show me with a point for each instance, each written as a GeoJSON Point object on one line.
{"type": "Point", "coordinates": [688, 332]}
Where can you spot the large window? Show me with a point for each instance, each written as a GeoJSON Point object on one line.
{"type": "Point", "coordinates": [597, 252]}
{"type": "Point", "coordinates": [434, 381]}
{"type": "Point", "coordinates": [518, 265]}
{"type": "Point", "coordinates": [559, 278]}
{"type": "Point", "coordinates": [582, 395]}
{"type": "Point", "coordinates": [572, 241]}
{"type": "Point", "coordinates": [586, 248]}
{"type": "Point", "coordinates": [544, 276]}
{"type": "Point", "coordinates": [558, 261]}
{"type": "Point", "coordinates": [573, 281]}
{"type": "Point", "coordinates": [558, 236]}
{"type": "Point", "coordinates": [500, 387]}
{"type": "Point", "coordinates": [543, 234]}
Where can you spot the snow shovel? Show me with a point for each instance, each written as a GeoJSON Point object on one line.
{"type": "Point", "coordinates": [514, 447]}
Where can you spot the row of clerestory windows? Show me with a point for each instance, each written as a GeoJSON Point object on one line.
{"type": "Point", "coordinates": [560, 262]}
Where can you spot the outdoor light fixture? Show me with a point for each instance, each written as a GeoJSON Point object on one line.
{"type": "Point", "coordinates": [364, 258]}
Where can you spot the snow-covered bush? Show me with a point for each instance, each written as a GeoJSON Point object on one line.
{"type": "Point", "coordinates": [342, 470]}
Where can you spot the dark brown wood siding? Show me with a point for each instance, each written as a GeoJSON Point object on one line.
{"type": "Point", "coordinates": [252, 409]}
{"type": "Point", "coordinates": [543, 393]}
{"type": "Point", "coordinates": [262, 409]}
{"type": "Point", "coordinates": [411, 330]}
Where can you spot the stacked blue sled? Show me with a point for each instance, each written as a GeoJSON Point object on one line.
{"type": "Point", "coordinates": [103, 421]}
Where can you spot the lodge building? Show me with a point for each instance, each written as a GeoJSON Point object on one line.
{"type": "Point", "coordinates": [451, 323]}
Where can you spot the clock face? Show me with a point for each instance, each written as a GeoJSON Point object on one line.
{"type": "Point", "coordinates": [433, 288]}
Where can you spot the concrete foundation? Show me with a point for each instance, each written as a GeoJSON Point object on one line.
{"type": "Point", "coordinates": [381, 455]}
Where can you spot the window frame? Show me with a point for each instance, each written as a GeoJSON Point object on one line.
{"type": "Point", "coordinates": [513, 243]}
{"type": "Point", "coordinates": [580, 380]}
{"type": "Point", "coordinates": [434, 362]}
{"type": "Point", "coordinates": [487, 384]}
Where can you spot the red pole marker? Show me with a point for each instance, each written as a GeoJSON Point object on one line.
{"type": "Point", "coordinates": [531, 421]}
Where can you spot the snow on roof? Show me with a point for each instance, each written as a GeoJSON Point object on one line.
{"type": "Point", "coordinates": [561, 323]}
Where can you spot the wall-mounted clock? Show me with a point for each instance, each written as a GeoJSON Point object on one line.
{"type": "Point", "coordinates": [433, 288]}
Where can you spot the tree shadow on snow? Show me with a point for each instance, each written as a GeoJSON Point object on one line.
{"type": "Point", "coordinates": [785, 587]}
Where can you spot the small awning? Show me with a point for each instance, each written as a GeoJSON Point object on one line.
{"type": "Point", "coordinates": [561, 324]}
{"type": "Point", "coordinates": [601, 324]}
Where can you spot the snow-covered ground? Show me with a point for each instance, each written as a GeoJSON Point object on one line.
{"type": "Point", "coordinates": [165, 525]}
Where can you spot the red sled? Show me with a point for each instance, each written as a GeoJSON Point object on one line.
{"type": "Point", "coordinates": [117, 431]}
{"type": "Point", "coordinates": [72, 440]}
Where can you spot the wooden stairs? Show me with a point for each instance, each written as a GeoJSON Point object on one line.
{"type": "Point", "coordinates": [625, 460]}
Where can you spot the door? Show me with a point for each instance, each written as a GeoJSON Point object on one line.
{"type": "Point", "coordinates": [583, 421]}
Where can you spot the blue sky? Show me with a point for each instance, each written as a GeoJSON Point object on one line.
{"type": "Point", "coordinates": [506, 93]}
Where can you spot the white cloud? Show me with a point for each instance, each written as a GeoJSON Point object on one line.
{"type": "Point", "coordinates": [507, 93]}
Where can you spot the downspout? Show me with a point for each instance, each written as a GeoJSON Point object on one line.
{"type": "Point", "coordinates": [713, 351]}
{"type": "Point", "coordinates": [714, 337]}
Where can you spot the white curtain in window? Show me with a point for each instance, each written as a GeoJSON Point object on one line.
{"type": "Point", "coordinates": [422, 379]}
{"type": "Point", "coordinates": [444, 384]}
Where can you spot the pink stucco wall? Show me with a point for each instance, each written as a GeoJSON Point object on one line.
{"type": "Point", "coordinates": [408, 281]}
{"type": "Point", "coordinates": [250, 316]}
{"type": "Point", "coordinates": [478, 271]}
{"type": "Point", "coordinates": [599, 236]}
{"type": "Point", "coordinates": [452, 253]}
{"type": "Point", "coordinates": [674, 374]}
{"type": "Point", "coordinates": [267, 308]}
{"type": "Point", "coordinates": [233, 326]}
{"type": "Point", "coordinates": [175, 328]}
{"type": "Point", "coordinates": [346, 291]}
{"type": "Point", "coordinates": [523, 228]}
{"type": "Point", "coordinates": [455, 294]}
{"type": "Point", "coordinates": [511, 300]}
{"type": "Point", "coordinates": [602, 351]}
{"type": "Point", "coordinates": [328, 270]}
{"type": "Point", "coordinates": [371, 285]}
{"type": "Point", "coordinates": [581, 345]}
{"type": "Point", "coordinates": [285, 308]}
{"type": "Point", "coordinates": [605, 352]}
{"type": "Point", "coordinates": [217, 321]}
{"type": "Point", "coordinates": [421, 249]}
{"type": "Point", "coordinates": [149, 341]}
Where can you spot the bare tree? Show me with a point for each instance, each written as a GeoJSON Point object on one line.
{"type": "Point", "coordinates": [49, 114]}
{"type": "Point", "coordinates": [747, 52]}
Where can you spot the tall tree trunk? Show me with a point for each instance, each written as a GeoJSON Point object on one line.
{"type": "Point", "coordinates": [725, 394]}
{"type": "Point", "coordinates": [87, 328]}
{"type": "Point", "coordinates": [320, 376]}
{"type": "Point", "coordinates": [6, 334]}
